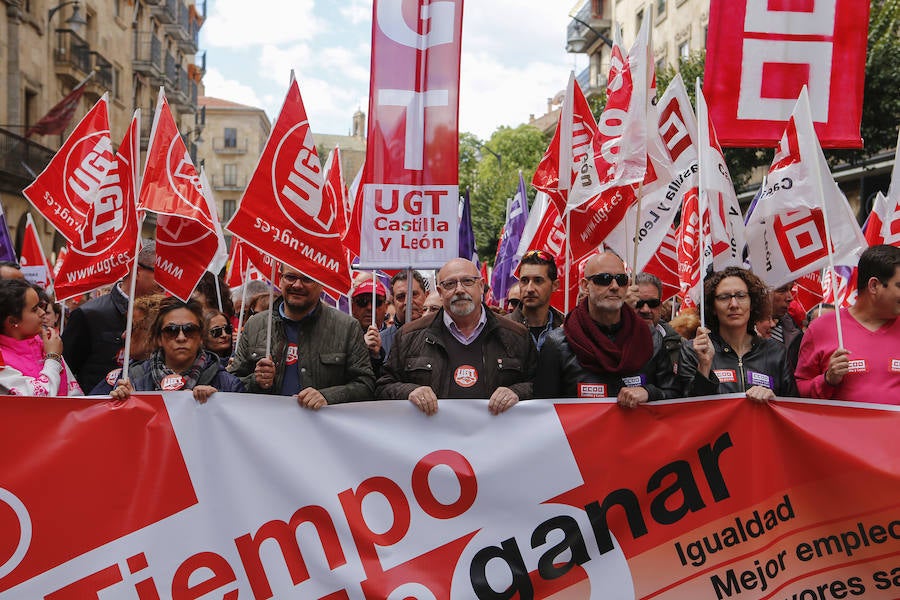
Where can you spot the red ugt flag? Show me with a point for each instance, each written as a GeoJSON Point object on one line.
{"type": "Point", "coordinates": [104, 250]}
{"type": "Point", "coordinates": [284, 211]}
{"type": "Point", "coordinates": [58, 118]}
{"type": "Point", "coordinates": [64, 191]}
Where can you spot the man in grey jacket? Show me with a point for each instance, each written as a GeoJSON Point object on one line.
{"type": "Point", "coordinates": [318, 353]}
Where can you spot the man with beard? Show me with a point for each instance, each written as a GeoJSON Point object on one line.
{"type": "Point", "coordinates": [604, 349]}
{"type": "Point", "coordinates": [462, 351]}
{"type": "Point", "coordinates": [537, 283]}
{"type": "Point", "coordinates": [318, 354]}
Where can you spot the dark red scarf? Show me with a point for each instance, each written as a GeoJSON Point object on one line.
{"type": "Point", "coordinates": [631, 350]}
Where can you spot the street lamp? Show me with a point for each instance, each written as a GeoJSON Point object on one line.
{"type": "Point", "coordinates": [76, 23]}
{"type": "Point", "coordinates": [497, 155]}
{"type": "Point", "coordinates": [605, 39]}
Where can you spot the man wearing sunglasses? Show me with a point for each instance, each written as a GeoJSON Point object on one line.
{"type": "Point", "coordinates": [462, 351]}
{"type": "Point", "coordinates": [537, 282]}
{"type": "Point", "coordinates": [649, 307]}
{"type": "Point", "coordinates": [361, 308]}
{"type": "Point", "coordinates": [318, 354]}
{"type": "Point", "coordinates": [604, 349]}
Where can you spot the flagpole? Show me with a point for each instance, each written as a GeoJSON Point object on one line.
{"type": "Point", "coordinates": [243, 305]}
{"type": "Point", "coordinates": [700, 190]}
{"type": "Point", "coordinates": [218, 291]}
{"type": "Point", "coordinates": [62, 315]}
{"type": "Point", "coordinates": [568, 259]}
{"type": "Point", "coordinates": [271, 311]}
{"type": "Point", "coordinates": [637, 229]}
{"type": "Point", "coordinates": [129, 317]}
{"type": "Point", "coordinates": [374, 284]}
{"type": "Point", "coordinates": [817, 173]}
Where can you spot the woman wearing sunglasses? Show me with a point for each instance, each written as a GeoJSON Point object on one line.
{"type": "Point", "coordinates": [32, 362]}
{"type": "Point", "coordinates": [729, 357]}
{"type": "Point", "coordinates": [179, 361]}
{"type": "Point", "coordinates": [217, 337]}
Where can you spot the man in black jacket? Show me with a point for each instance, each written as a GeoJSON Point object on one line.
{"type": "Point", "coordinates": [462, 351]}
{"type": "Point", "coordinates": [92, 338]}
{"type": "Point", "coordinates": [604, 349]}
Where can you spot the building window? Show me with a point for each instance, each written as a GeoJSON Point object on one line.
{"type": "Point", "coordinates": [230, 137]}
{"type": "Point", "coordinates": [229, 175]}
{"type": "Point", "coordinates": [228, 208]}
{"type": "Point", "coordinates": [684, 50]}
{"type": "Point", "coordinates": [660, 9]}
{"type": "Point", "coordinates": [638, 20]}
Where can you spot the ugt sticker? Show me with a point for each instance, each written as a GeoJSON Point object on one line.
{"type": "Point", "coordinates": [465, 376]}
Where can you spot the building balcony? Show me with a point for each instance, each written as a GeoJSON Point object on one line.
{"type": "Point", "coordinates": [20, 160]}
{"type": "Point", "coordinates": [72, 57]}
{"type": "Point", "coordinates": [224, 183]}
{"type": "Point", "coordinates": [171, 70]}
{"type": "Point", "coordinates": [591, 81]}
{"type": "Point", "coordinates": [103, 70]}
{"type": "Point", "coordinates": [229, 146]}
{"type": "Point", "coordinates": [587, 27]}
{"type": "Point", "coordinates": [148, 54]}
{"type": "Point", "coordinates": [166, 12]}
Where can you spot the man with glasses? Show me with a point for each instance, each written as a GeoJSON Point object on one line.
{"type": "Point", "coordinates": [463, 351]}
{"type": "Point", "coordinates": [361, 308]}
{"type": "Point", "coordinates": [648, 306]}
{"type": "Point", "coordinates": [402, 295]}
{"type": "Point", "coordinates": [92, 337]}
{"type": "Point", "coordinates": [318, 354]}
{"type": "Point", "coordinates": [537, 281]}
{"type": "Point", "coordinates": [604, 349]}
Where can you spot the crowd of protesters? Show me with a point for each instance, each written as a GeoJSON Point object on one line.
{"type": "Point", "coordinates": [428, 341]}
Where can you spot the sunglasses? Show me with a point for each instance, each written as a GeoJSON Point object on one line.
{"type": "Point", "coordinates": [651, 303]}
{"type": "Point", "coordinates": [364, 300]}
{"type": "Point", "coordinates": [605, 279]}
{"type": "Point", "coordinates": [220, 331]}
{"type": "Point", "coordinates": [513, 303]}
{"type": "Point", "coordinates": [172, 330]}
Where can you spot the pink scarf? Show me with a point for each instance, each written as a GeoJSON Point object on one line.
{"type": "Point", "coordinates": [27, 357]}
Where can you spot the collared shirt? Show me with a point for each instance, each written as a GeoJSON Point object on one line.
{"type": "Point", "coordinates": [459, 335]}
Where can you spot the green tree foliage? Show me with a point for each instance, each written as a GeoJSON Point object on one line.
{"type": "Point", "coordinates": [492, 180]}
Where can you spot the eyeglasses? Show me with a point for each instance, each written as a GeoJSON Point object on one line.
{"type": "Point", "coordinates": [172, 330]}
{"type": "Point", "coordinates": [605, 279]}
{"type": "Point", "coordinates": [290, 279]}
{"type": "Point", "coordinates": [365, 300]}
{"type": "Point", "coordinates": [220, 330]}
{"type": "Point", "coordinates": [651, 303]}
{"type": "Point", "coordinates": [540, 255]}
{"type": "Point", "coordinates": [513, 303]}
{"type": "Point", "coordinates": [726, 298]}
{"type": "Point", "coordinates": [450, 284]}
{"type": "Point", "coordinates": [430, 309]}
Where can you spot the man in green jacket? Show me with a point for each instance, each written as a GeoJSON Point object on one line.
{"type": "Point", "coordinates": [318, 353]}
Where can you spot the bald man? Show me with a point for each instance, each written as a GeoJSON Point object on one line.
{"type": "Point", "coordinates": [462, 351]}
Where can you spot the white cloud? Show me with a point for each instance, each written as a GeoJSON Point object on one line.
{"type": "Point", "coordinates": [218, 86]}
{"type": "Point", "coordinates": [241, 23]}
{"type": "Point", "coordinates": [275, 63]}
{"type": "Point", "coordinates": [343, 62]}
{"type": "Point", "coordinates": [357, 11]}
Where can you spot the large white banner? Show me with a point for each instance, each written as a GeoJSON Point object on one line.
{"type": "Point", "coordinates": [254, 497]}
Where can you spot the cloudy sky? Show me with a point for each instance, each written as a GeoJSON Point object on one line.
{"type": "Point", "coordinates": [513, 57]}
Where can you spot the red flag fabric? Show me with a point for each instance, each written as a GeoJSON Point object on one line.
{"type": "Point", "coordinates": [34, 263]}
{"type": "Point", "coordinates": [760, 54]}
{"type": "Point", "coordinates": [67, 187]}
{"type": "Point", "coordinates": [335, 190]}
{"type": "Point", "coordinates": [689, 247]}
{"type": "Point", "coordinates": [301, 228]}
{"type": "Point", "coordinates": [186, 241]}
{"type": "Point", "coordinates": [171, 184]}
{"type": "Point", "coordinates": [56, 121]}
{"type": "Point", "coordinates": [104, 252]}
{"type": "Point", "coordinates": [246, 263]}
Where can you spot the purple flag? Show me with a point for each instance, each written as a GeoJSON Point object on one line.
{"type": "Point", "coordinates": [6, 246]}
{"type": "Point", "coordinates": [467, 248]}
{"type": "Point", "coordinates": [505, 264]}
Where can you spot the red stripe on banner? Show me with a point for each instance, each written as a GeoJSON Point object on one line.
{"type": "Point", "coordinates": [108, 471]}
{"type": "Point", "coordinates": [783, 80]}
{"type": "Point", "coordinates": [807, 6]}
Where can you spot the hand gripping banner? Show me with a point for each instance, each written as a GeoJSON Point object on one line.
{"type": "Point", "coordinates": [251, 496]}
{"type": "Point", "coordinates": [410, 184]}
